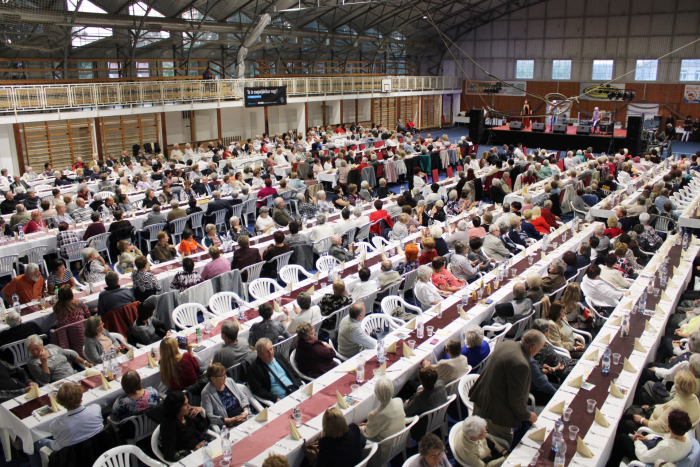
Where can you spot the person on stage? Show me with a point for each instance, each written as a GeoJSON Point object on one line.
{"type": "Point", "coordinates": [553, 119]}
{"type": "Point", "coordinates": [596, 120]}
{"type": "Point", "coordinates": [525, 112]}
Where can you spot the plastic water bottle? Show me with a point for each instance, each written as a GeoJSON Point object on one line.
{"type": "Point", "coordinates": [206, 453]}
{"type": "Point", "coordinates": [559, 426]}
{"type": "Point", "coordinates": [241, 312]}
{"type": "Point", "coordinates": [360, 370]}
{"type": "Point", "coordinates": [606, 361]}
{"type": "Point", "coordinates": [419, 328]}
{"type": "Point", "coordinates": [225, 446]}
{"type": "Point", "coordinates": [105, 364]}
{"type": "Point", "coordinates": [686, 241]}
{"type": "Point", "coordinates": [625, 328]}
{"type": "Point", "coordinates": [380, 349]}
{"type": "Point", "coordinates": [643, 301]}
{"type": "Point", "coordinates": [207, 324]}
{"type": "Point", "coordinates": [560, 457]}
{"type": "Point", "coordinates": [22, 238]}
{"type": "Point", "coordinates": [15, 303]}
{"type": "Point", "coordinates": [330, 278]}
{"type": "Point", "coordinates": [465, 298]}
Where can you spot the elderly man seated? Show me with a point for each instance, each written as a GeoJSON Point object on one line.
{"type": "Point", "coordinates": [351, 338]}
{"type": "Point", "coordinates": [322, 230]}
{"type": "Point", "coordinates": [338, 251]}
{"type": "Point", "coordinates": [366, 286]}
{"type": "Point", "coordinates": [28, 286]}
{"type": "Point", "coordinates": [271, 376]}
{"type": "Point", "coordinates": [493, 245]}
{"type": "Point", "coordinates": [50, 363]}
{"type": "Point", "coordinates": [280, 214]}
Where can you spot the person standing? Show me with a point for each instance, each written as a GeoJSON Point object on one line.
{"type": "Point", "coordinates": [500, 395]}
{"type": "Point", "coordinates": [525, 113]}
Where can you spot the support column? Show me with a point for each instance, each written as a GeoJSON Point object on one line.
{"type": "Point", "coordinates": [18, 144]}
{"type": "Point", "coordinates": [218, 125]}
{"type": "Point", "coordinates": [357, 111]}
{"type": "Point", "coordinates": [193, 133]}
{"type": "Point", "coordinates": [323, 112]}
{"type": "Point", "coordinates": [98, 137]}
{"type": "Point", "coordinates": [371, 109]}
{"type": "Point", "coordinates": [267, 123]}
{"type": "Point", "coordinates": [341, 112]}
{"type": "Point", "coordinates": [306, 119]}
{"type": "Point", "coordinates": [164, 135]}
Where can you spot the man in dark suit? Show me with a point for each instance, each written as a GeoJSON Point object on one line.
{"type": "Point", "coordinates": [201, 187]}
{"type": "Point", "coordinates": [281, 215]}
{"type": "Point", "coordinates": [622, 219]}
{"type": "Point", "coordinates": [218, 204]}
{"type": "Point", "coordinates": [271, 376]}
{"type": "Point", "coordinates": [500, 395]}
{"type": "Point", "coordinates": [18, 331]}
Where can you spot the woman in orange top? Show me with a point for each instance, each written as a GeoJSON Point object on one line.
{"type": "Point", "coordinates": [188, 245]}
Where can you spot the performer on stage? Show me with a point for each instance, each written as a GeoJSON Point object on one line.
{"type": "Point", "coordinates": [526, 111]}
{"type": "Point", "coordinates": [596, 120]}
{"type": "Point", "coordinates": [553, 119]}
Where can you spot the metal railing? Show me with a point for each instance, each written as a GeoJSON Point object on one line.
{"type": "Point", "coordinates": [91, 95]}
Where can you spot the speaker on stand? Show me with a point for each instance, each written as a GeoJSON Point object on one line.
{"type": "Point", "coordinates": [633, 141]}
{"type": "Point", "coordinates": [476, 125]}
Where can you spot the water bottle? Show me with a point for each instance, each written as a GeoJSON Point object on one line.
{"type": "Point", "coordinates": [686, 241]}
{"type": "Point", "coordinates": [625, 328]}
{"type": "Point", "coordinates": [225, 446]}
{"type": "Point", "coordinates": [560, 457]}
{"type": "Point", "coordinates": [15, 303]}
{"type": "Point", "coordinates": [559, 426]}
{"type": "Point", "coordinates": [207, 324]}
{"type": "Point", "coordinates": [465, 298]}
{"type": "Point", "coordinates": [104, 217]}
{"type": "Point", "coordinates": [330, 278]}
{"type": "Point", "coordinates": [206, 453]}
{"type": "Point", "coordinates": [360, 370]}
{"type": "Point", "coordinates": [105, 364]}
{"type": "Point", "coordinates": [380, 349]}
{"type": "Point", "coordinates": [419, 328]}
{"type": "Point", "coordinates": [606, 361]}
{"type": "Point", "coordinates": [22, 238]}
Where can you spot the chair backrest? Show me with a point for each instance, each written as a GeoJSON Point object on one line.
{"type": "Point", "coordinates": [221, 303]}
{"type": "Point", "coordinates": [363, 232]}
{"type": "Point", "coordinates": [372, 451]}
{"type": "Point", "coordinates": [20, 353]}
{"type": "Point", "coordinates": [293, 362]}
{"type": "Point", "coordinates": [465, 384]}
{"type": "Point", "coordinates": [521, 324]}
{"type": "Point", "coordinates": [322, 246]}
{"type": "Point", "coordinates": [177, 226]}
{"type": "Point", "coordinates": [99, 242]}
{"type": "Point", "coordinates": [249, 206]}
{"type": "Point", "coordinates": [284, 347]}
{"type": "Point", "coordinates": [339, 315]}
{"type": "Point", "coordinates": [185, 316]}
{"type": "Point", "coordinates": [281, 260]}
{"type": "Point", "coordinates": [196, 219]}
{"type": "Point", "coordinates": [436, 418]}
{"type": "Point", "coordinates": [155, 445]}
{"type": "Point", "coordinates": [325, 264]}
{"type": "Point", "coordinates": [260, 288]}
{"type": "Point", "coordinates": [368, 300]}
{"type": "Point", "coordinates": [8, 264]}
{"type": "Point", "coordinates": [376, 323]}
{"type": "Point", "coordinates": [409, 279]}
{"type": "Point", "coordinates": [378, 241]}
{"type": "Point", "coordinates": [143, 427]}
{"type": "Point", "coordinates": [153, 230]}
{"type": "Point", "coordinates": [121, 456]}
{"type": "Point", "coordinates": [253, 271]}
{"type": "Point", "coordinates": [391, 301]}
{"type": "Point", "coordinates": [73, 251]}
{"type": "Point", "coordinates": [396, 444]}
{"type": "Point", "coordinates": [500, 330]}
{"type": "Point", "coordinates": [35, 255]}
{"type": "Point", "coordinates": [363, 247]}
{"type": "Point", "coordinates": [390, 289]}
{"type": "Point", "coordinates": [290, 273]}
{"type": "Point", "coordinates": [556, 295]}
{"type": "Point", "coordinates": [664, 224]}
{"type": "Point", "coordinates": [220, 217]}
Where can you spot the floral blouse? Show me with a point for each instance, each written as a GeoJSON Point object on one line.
{"type": "Point", "coordinates": [406, 266]}
{"type": "Point", "coordinates": [624, 267]}
{"type": "Point", "coordinates": [94, 271]}
{"type": "Point", "coordinates": [184, 280]}
{"type": "Point", "coordinates": [80, 313]}
{"type": "Point", "coordinates": [125, 406]}
{"type": "Point", "coordinates": [452, 208]}
{"type": "Point", "coordinates": [444, 279]}
{"type": "Point", "coordinates": [145, 280]}
{"type": "Point", "coordinates": [126, 260]}
{"type": "Point", "coordinates": [331, 303]}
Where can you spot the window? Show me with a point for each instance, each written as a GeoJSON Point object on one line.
{"type": "Point", "coordinates": [85, 66]}
{"type": "Point", "coordinates": [142, 70]}
{"type": "Point", "coordinates": [602, 69]}
{"type": "Point", "coordinates": [561, 69]}
{"type": "Point", "coordinates": [690, 70]}
{"type": "Point", "coordinates": [525, 69]}
{"type": "Point", "coordinates": [113, 69]}
{"type": "Point", "coordinates": [646, 70]}
{"type": "Point", "coordinates": [168, 68]}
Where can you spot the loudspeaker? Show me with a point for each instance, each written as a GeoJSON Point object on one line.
{"type": "Point", "coordinates": [156, 147]}
{"type": "Point", "coordinates": [148, 148]}
{"type": "Point", "coordinates": [559, 128]}
{"type": "Point", "coordinates": [476, 125]}
{"type": "Point", "coordinates": [634, 135]}
{"type": "Point", "coordinates": [583, 130]}
{"type": "Point", "coordinates": [516, 125]}
{"type": "Point", "coordinates": [540, 127]}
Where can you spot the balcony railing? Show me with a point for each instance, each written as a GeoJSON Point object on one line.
{"type": "Point", "coordinates": [34, 98]}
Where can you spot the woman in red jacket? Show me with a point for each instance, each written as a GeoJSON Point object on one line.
{"type": "Point", "coordinates": [177, 371]}
{"type": "Point", "coordinates": [613, 229]}
{"type": "Point", "coordinates": [538, 222]}
{"type": "Point", "coordinates": [37, 224]}
{"type": "Point", "coordinates": [313, 357]}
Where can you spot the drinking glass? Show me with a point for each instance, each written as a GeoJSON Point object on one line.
{"type": "Point", "coordinates": [480, 293]}
{"type": "Point", "coordinates": [376, 373]}
{"type": "Point", "coordinates": [355, 388]}
{"type": "Point", "coordinates": [573, 432]}
{"type": "Point", "coordinates": [297, 419]}
{"type": "Point", "coordinates": [656, 291]}
{"type": "Point", "coordinates": [529, 259]}
{"type": "Point", "coordinates": [412, 345]}
{"type": "Point", "coordinates": [430, 330]}
{"type": "Point", "coordinates": [590, 405]}
{"type": "Point", "coordinates": [616, 358]}
{"type": "Point", "coordinates": [567, 414]}
{"type": "Point", "coordinates": [533, 462]}
{"type": "Point", "coordinates": [554, 245]}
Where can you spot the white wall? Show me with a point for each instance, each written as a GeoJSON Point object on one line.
{"type": "Point", "coordinates": [364, 110]}
{"type": "Point", "coordinates": [177, 128]}
{"type": "Point", "coordinates": [581, 31]}
{"type": "Point", "coordinates": [206, 125]}
{"type": "Point", "coordinates": [315, 113]}
{"type": "Point", "coordinates": [281, 119]}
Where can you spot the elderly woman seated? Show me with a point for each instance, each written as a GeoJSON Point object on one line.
{"type": "Point", "coordinates": [341, 444]}
{"type": "Point", "coordinates": [555, 278]}
{"type": "Point", "coordinates": [128, 254]}
{"type": "Point", "coordinates": [401, 228]}
{"type": "Point", "coordinates": [431, 452]}
{"type": "Point", "coordinates": [426, 293]}
{"type": "Point", "coordinates": [137, 399]}
{"type": "Point", "coordinates": [313, 357]}
{"type": "Point", "coordinates": [211, 237]}
{"type": "Point", "coordinates": [222, 400]}
{"type": "Point", "coordinates": [51, 363]}
{"type": "Point", "coordinates": [556, 367]}
{"type": "Point", "coordinates": [443, 279]}
{"type": "Point", "coordinates": [236, 229]}
{"type": "Point", "coordinates": [475, 446]}
{"type": "Point", "coordinates": [98, 340]}
{"type": "Point", "coordinates": [534, 287]}
{"type": "Point", "coordinates": [95, 268]}
{"type": "Point", "coordinates": [561, 332]}
{"type": "Point", "coordinates": [387, 419]}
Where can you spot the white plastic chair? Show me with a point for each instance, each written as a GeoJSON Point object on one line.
{"type": "Point", "coordinates": [326, 264]}
{"type": "Point", "coordinates": [437, 418]}
{"type": "Point", "coordinates": [253, 272]}
{"type": "Point", "coordinates": [185, 316]}
{"type": "Point", "coordinates": [8, 266]}
{"type": "Point", "coordinates": [290, 273]}
{"type": "Point", "coordinates": [379, 321]}
{"type": "Point", "coordinates": [372, 451]}
{"type": "Point", "coordinates": [284, 347]}
{"type": "Point", "coordinates": [411, 460]}
{"type": "Point", "coordinates": [363, 248]}
{"type": "Point", "coordinates": [409, 281]}
{"type": "Point", "coordinates": [500, 331]}
{"type": "Point", "coordinates": [143, 427]}
{"type": "Point", "coordinates": [521, 324]}
{"type": "Point", "coordinates": [220, 303]}
{"type": "Point", "coordinates": [72, 251]}
{"type": "Point", "coordinates": [396, 444]}
{"type": "Point", "coordinates": [322, 246]}
{"type": "Point", "coordinates": [177, 226]}
{"type": "Point", "coordinates": [456, 431]}
{"type": "Point", "coordinates": [152, 234]}
{"type": "Point", "coordinates": [20, 353]}
{"type": "Point", "coordinates": [248, 208]}
{"type": "Point", "coordinates": [392, 301]}
{"type": "Point", "coordinates": [99, 243]}
{"type": "Point", "coordinates": [281, 260]}
{"type": "Point", "coordinates": [36, 255]}
{"type": "Point", "coordinates": [121, 456]}
{"type": "Point", "coordinates": [465, 384]}
{"type": "Point", "coordinates": [363, 232]}
{"type": "Point", "coordinates": [378, 241]}
{"type": "Point", "coordinates": [260, 288]}
{"type": "Point", "coordinates": [368, 301]}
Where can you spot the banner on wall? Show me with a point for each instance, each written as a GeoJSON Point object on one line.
{"type": "Point", "coordinates": [265, 96]}
{"type": "Point", "coordinates": [646, 111]}
{"type": "Point", "coordinates": [478, 87]}
{"type": "Point", "coordinates": [598, 91]}
{"type": "Point", "coordinates": [691, 95]}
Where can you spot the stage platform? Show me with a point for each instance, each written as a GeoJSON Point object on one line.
{"type": "Point", "coordinates": [559, 141]}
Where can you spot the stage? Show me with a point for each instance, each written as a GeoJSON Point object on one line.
{"type": "Point", "coordinates": [559, 141]}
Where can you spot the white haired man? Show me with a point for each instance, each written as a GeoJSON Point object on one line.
{"type": "Point", "coordinates": [28, 286]}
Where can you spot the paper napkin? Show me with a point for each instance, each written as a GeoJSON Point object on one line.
{"type": "Point", "coordinates": [130, 353]}
{"type": "Point", "coordinates": [411, 324]}
{"type": "Point", "coordinates": [311, 291]}
{"type": "Point", "coordinates": [341, 400]}
{"type": "Point", "coordinates": [463, 314]}
{"type": "Point", "coordinates": [309, 389]}
{"type": "Point", "coordinates": [54, 405]}
{"type": "Point", "coordinates": [544, 256]}
{"type": "Point", "coordinates": [262, 416]}
{"type": "Point", "coordinates": [605, 339]}
{"type": "Point", "coordinates": [582, 448]}
{"type": "Point", "coordinates": [382, 369]}
{"type": "Point", "coordinates": [665, 297]}
{"type": "Point", "coordinates": [92, 372]}
{"type": "Point", "coordinates": [557, 408]}
{"type": "Point", "coordinates": [638, 345]}
{"type": "Point", "coordinates": [600, 418]}
{"type": "Point", "coordinates": [276, 306]}
{"type": "Point", "coordinates": [627, 366]}
{"type": "Point", "coordinates": [615, 391]}
{"type": "Point", "coordinates": [593, 356]}
{"type": "Point", "coordinates": [391, 348]}
{"type": "Point", "coordinates": [293, 431]}
{"type": "Point", "coordinates": [649, 328]}
{"type": "Point", "coordinates": [576, 382]}
{"type": "Point", "coordinates": [407, 352]}
{"type": "Point", "coordinates": [105, 383]}
{"type": "Point", "coordinates": [537, 435]}
{"type": "Point", "coordinates": [616, 322]}
{"type": "Point", "coordinates": [151, 363]}
{"type": "Point", "coordinates": [33, 393]}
